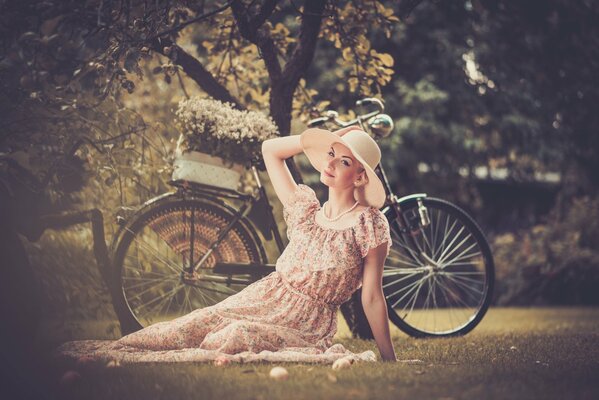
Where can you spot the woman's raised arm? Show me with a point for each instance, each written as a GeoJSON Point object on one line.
{"type": "Point", "coordinates": [275, 151]}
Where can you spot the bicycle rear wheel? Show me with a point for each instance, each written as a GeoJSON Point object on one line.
{"type": "Point", "coordinates": [441, 282]}
{"type": "Point", "coordinates": [156, 246]}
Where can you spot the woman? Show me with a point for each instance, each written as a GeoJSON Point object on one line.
{"type": "Point", "coordinates": [290, 314]}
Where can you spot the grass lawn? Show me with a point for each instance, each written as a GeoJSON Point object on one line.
{"type": "Point", "coordinates": [522, 353]}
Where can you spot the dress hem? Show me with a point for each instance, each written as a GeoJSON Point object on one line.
{"type": "Point", "coordinates": [102, 351]}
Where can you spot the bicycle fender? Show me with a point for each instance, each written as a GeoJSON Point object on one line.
{"type": "Point", "coordinates": [125, 213]}
{"type": "Point", "coordinates": [411, 197]}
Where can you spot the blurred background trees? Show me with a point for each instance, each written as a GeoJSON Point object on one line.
{"type": "Point", "coordinates": [493, 103]}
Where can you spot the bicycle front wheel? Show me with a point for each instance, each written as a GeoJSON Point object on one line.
{"type": "Point", "coordinates": [438, 280]}
{"type": "Point", "coordinates": [159, 243]}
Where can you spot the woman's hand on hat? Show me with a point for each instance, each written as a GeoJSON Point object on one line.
{"type": "Point", "coordinates": [343, 131]}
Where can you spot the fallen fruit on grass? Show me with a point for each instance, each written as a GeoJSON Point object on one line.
{"type": "Point", "coordinates": [279, 373]}
{"type": "Point", "coordinates": [342, 363]}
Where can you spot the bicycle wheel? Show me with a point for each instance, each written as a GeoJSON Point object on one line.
{"type": "Point", "coordinates": [156, 246]}
{"type": "Point", "coordinates": [441, 282]}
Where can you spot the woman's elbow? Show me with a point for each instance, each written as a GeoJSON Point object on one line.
{"type": "Point", "coordinates": [266, 146]}
{"type": "Point", "coordinates": [372, 298]}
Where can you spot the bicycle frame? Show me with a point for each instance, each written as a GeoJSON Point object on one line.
{"type": "Point", "coordinates": [258, 200]}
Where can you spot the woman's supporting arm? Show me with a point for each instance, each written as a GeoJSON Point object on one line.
{"type": "Point", "coordinates": [376, 312]}
{"type": "Point", "coordinates": [373, 301]}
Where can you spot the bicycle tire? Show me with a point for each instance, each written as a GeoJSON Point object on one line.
{"type": "Point", "coordinates": [165, 222]}
{"type": "Point", "coordinates": [461, 284]}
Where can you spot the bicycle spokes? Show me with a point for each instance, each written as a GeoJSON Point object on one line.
{"type": "Point", "coordinates": [154, 267]}
{"type": "Point", "coordinates": [436, 278]}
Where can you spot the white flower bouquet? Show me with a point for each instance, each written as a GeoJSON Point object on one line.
{"type": "Point", "coordinates": [216, 128]}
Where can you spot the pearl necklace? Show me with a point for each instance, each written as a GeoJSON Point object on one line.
{"type": "Point", "coordinates": [338, 216]}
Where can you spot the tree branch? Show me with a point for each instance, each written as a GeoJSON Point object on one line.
{"type": "Point", "coordinates": [405, 7]}
{"type": "Point", "coordinates": [265, 12]}
{"type": "Point", "coordinates": [196, 71]}
{"type": "Point", "coordinates": [283, 88]}
{"type": "Point", "coordinates": [191, 21]}
{"type": "Point", "coordinates": [252, 29]}
{"type": "Point", "coordinates": [249, 26]}
{"type": "Point", "coordinates": [302, 56]}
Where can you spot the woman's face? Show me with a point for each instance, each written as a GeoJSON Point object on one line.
{"type": "Point", "coordinates": [341, 169]}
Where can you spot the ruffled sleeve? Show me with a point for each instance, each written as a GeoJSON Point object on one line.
{"type": "Point", "coordinates": [372, 231]}
{"type": "Point", "coordinates": [299, 208]}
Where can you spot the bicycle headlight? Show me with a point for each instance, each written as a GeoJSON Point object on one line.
{"type": "Point", "coordinates": [381, 125]}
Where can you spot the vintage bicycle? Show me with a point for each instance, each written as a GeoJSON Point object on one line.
{"type": "Point", "coordinates": [198, 244]}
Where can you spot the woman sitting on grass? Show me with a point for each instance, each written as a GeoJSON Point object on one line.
{"type": "Point", "coordinates": [291, 314]}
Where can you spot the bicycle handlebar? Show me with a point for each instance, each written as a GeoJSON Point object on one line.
{"type": "Point", "coordinates": [332, 116]}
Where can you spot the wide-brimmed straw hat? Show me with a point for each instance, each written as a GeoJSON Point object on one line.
{"type": "Point", "coordinates": [316, 144]}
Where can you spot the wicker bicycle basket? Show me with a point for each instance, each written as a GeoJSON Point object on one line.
{"type": "Point", "coordinates": [196, 166]}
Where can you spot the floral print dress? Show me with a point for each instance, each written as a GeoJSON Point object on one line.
{"type": "Point", "coordinates": [288, 315]}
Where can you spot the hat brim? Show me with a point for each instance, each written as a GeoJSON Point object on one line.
{"type": "Point", "coordinates": [316, 143]}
